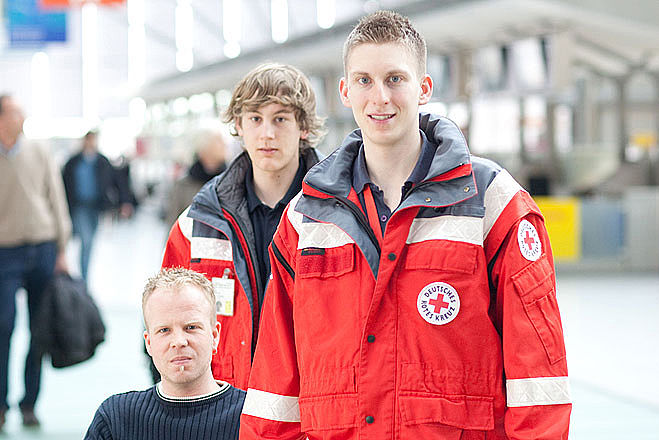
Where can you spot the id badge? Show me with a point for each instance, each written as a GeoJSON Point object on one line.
{"type": "Point", "coordinates": [224, 294]}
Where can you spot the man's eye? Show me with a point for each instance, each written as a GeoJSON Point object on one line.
{"type": "Point", "coordinates": [363, 80]}
{"type": "Point", "coordinates": [280, 119]}
{"type": "Point", "coordinates": [192, 327]}
{"type": "Point", "coordinates": [255, 118]}
{"type": "Point", "coordinates": [395, 79]}
{"type": "Point", "coordinates": [163, 330]}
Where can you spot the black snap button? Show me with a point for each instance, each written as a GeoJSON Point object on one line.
{"type": "Point", "coordinates": [391, 256]}
{"type": "Point", "coordinates": [370, 338]}
{"type": "Point", "coordinates": [370, 419]}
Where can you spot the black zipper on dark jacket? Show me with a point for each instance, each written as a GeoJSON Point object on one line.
{"type": "Point", "coordinates": [282, 260]}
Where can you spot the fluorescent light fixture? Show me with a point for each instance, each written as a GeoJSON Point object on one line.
{"type": "Point", "coordinates": [136, 43]}
{"type": "Point", "coordinates": [184, 33]}
{"type": "Point", "coordinates": [325, 13]}
{"type": "Point", "coordinates": [231, 49]}
{"type": "Point", "coordinates": [232, 20]}
{"type": "Point", "coordinates": [231, 27]}
{"type": "Point", "coordinates": [279, 20]}
{"type": "Point", "coordinates": [40, 75]}
{"type": "Point", "coordinates": [90, 61]}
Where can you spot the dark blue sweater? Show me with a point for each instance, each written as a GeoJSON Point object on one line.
{"type": "Point", "coordinates": [147, 415]}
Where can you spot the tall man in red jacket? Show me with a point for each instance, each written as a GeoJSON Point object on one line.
{"type": "Point", "coordinates": [413, 290]}
{"type": "Point", "coordinates": [226, 231]}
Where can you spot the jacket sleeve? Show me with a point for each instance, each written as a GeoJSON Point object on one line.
{"type": "Point", "coordinates": [177, 249]}
{"type": "Point", "coordinates": [271, 408]}
{"type": "Point", "coordinates": [527, 316]}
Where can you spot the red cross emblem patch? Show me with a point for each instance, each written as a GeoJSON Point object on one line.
{"type": "Point", "coordinates": [438, 303]}
{"type": "Point", "coordinates": [529, 241]}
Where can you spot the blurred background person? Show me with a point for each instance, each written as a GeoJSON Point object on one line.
{"type": "Point", "coordinates": [209, 160]}
{"type": "Point", "coordinates": [91, 188]}
{"type": "Point", "coordinates": [34, 230]}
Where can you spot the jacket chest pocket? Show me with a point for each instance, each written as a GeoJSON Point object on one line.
{"type": "Point", "coordinates": [446, 255]}
{"type": "Point", "coordinates": [325, 262]}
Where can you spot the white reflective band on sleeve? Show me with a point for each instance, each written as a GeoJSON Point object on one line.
{"type": "Point", "coordinates": [210, 248]}
{"type": "Point", "coordinates": [271, 406]}
{"type": "Point", "coordinates": [497, 196]}
{"type": "Point", "coordinates": [447, 227]}
{"type": "Point", "coordinates": [538, 391]}
{"type": "Point", "coordinates": [185, 223]}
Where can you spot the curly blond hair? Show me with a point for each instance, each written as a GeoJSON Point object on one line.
{"type": "Point", "coordinates": [282, 84]}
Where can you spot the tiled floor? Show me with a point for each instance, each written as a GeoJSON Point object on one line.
{"type": "Point", "coordinates": [611, 325]}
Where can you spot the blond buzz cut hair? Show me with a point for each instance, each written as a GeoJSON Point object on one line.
{"type": "Point", "coordinates": [387, 27]}
{"type": "Point", "coordinates": [283, 84]}
{"type": "Point", "coordinates": [176, 278]}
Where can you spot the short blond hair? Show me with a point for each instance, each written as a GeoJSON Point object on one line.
{"type": "Point", "coordinates": [282, 84]}
{"type": "Point", "coordinates": [176, 278]}
{"type": "Point", "coordinates": [387, 27]}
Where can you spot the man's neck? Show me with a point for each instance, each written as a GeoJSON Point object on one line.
{"type": "Point", "coordinates": [270, 188]}
{"type": "Point", "coordinates": [390, 166]}
{"type": "Point", "coordinates": [200, 387]}
{"type": "Point", "coordinates": [8, 141]}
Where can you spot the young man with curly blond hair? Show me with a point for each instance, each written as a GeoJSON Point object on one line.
{"type": "Point", "coordinates": [413, 290]}
{"type": "Point", "coordinates": [226, 231]}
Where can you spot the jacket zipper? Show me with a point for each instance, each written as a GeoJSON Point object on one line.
{"type": "Point", "coordinates": [361, 219]}
{"type": "Point", "coordinates": [282, 260]}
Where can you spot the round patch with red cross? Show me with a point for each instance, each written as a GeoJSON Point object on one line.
{"type": "Point", "coordinates": [529, 241]}
{"type": "Point", "coordinates": [438, 303]}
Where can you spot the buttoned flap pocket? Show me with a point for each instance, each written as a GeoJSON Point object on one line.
{"type": "Point", "coordinates": [222, 368]}
{"type": "Point", "coordinates": [328, 413]}
{"type": "Point", "coordinates": [444, 255]}
{"type": "Point", "coordinates": [325, 262]}
{"type": "Point", "coordinates": [328, 399]}
{"type": "Point", "coordinates": [460, 411]}
{"type": "Point", "coordinates": [535, 287]}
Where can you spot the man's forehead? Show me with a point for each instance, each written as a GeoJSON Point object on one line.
{"type": "Point", "coordinates": [399, 60]}
{"type": "Point", "coordinates": [272, 107]}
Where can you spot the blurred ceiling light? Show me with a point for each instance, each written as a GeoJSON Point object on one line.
{"type": "Point", "coordinates": [279, 20]}
{"type": "Point", "coordinates": [40, 75]}
{"type": "Point", "coordinates": [180, 106]}
{"type": "Point", "coordinates": [90, 61]}
{"type": "Point", "coordinates": [232, 27]}
{"type": "Point", "coordinates": [184, 34]}
{"type": "Point", "coordinates": [136, 43]}
{"type": "Point", "coordinates": [48, 128]}
{"type": "Point", "coordinates": [325, 13]}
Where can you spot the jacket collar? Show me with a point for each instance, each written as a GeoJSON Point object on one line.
{"type": "Point", "coordinates": [333, 176]}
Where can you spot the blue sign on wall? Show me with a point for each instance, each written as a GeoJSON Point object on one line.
{"type": "Point", "coordinates": [28, 25]}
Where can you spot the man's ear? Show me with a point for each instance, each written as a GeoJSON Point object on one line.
{"type": "Point", "coordinates": [216, 336]}
{"type": "Point", "coordinates": [426, 90]}
{"type": "Point", "coordinates": [147, 342]}
{"type": "Point", "coordinates": [343, 92]}
{"type": "Point", "coordinates": [239, 129]}
{"type": "Point", "coordinates": [304, 134]}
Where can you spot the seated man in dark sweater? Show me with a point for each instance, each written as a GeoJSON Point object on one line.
{"type": "Point", "coordinates": [181, 336]}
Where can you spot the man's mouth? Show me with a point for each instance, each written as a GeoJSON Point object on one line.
{"type": "Point", "coordinates": [179, 360]}
{"type": "Point", "coordinates": [381, 117]}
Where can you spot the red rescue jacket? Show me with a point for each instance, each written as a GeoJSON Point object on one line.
{"type": "Point", "coordinates": [214, 236]}
{"type": "Point", "coordinates": [445, 328]}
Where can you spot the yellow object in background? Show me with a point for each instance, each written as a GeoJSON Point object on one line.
{"type": "Point", "coordinates": [563, 221]}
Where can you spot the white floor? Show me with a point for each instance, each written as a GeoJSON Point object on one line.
{"type": "Point", "coordinates": [611, 324]}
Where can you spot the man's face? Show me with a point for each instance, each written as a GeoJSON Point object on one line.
{"type": "Point", "coordinates": [384, 89]}
{"type": "Point", "coordinates": [271, 135]}
{"type": "Point", "coordinates": [11, 118]}
{"type": "Point", "coordinates": [180, 337]}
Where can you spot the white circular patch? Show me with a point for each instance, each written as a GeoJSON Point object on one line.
{"type": "Point", "coordinates": [529, 241]}
{"type": "Point", "coordinates": [438, 303]}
